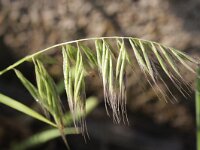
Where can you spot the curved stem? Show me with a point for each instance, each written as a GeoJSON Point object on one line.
{"type": "Point", "coordinates": [52, 47]}
{"type": "Point", "coordinates": [29, 57]}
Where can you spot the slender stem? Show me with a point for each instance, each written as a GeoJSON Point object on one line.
{"type": "Point", "coordinates": [29, 57]}
{"type": "Point", "coordinates": [197, 98]}
{"type": "Point", "coordinates": [55, 46]}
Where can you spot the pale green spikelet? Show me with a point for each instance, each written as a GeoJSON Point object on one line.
{"type": "Point", "coordinates": [111, 63]}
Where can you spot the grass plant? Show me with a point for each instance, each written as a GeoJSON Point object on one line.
{"type": "Point", "coordinates": [111, 61]}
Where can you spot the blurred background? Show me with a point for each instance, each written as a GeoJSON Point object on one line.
{"type": "Point", "coordinates": [29, 26]}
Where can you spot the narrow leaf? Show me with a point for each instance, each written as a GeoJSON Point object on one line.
{"type": "Point", "coordinates": [42, 137]}
{"type": "Point", "coordinates": [23, 108]}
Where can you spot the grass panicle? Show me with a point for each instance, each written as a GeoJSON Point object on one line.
{"type": "Point", "coordinates": [111, 64]}
{"type": "Point", "coordinates": [75, 85]}
{"type": "Point", "coordinates": [46, 94]}
{"type": "Point", "coordinates": [112, 70]}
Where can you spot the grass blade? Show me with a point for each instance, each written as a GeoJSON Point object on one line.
{"type": "Point", "coordinates": [197, 98]}
{"type": "Point", "coordinates": [24, 109]}
{"type": "Point", "coordinates": [42, 137]}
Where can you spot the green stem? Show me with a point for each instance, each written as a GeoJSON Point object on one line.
{"type": "Point", "coordinates": [197, 98]}
{"type": "Point", "coordinates": [29, 57]}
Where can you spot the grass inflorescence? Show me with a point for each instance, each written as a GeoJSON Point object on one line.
{"type": "Point", "coordinates": [112, 64]}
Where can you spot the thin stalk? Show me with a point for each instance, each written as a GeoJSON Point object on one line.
{"type": "Point", "coordinates": [197, 98]}
{"type": "Point", "coordinates": [29, 57]}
